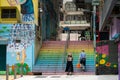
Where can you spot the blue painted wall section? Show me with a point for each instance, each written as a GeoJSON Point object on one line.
{"type": "Point", "coordinates": [21, 38]}
{"type": "Point", "coordinates": [20, 48]}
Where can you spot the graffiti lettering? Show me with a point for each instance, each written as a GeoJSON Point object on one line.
{"type": "Point", "coordinates": [28, 18]}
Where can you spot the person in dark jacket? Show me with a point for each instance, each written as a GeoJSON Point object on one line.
{"type": "Point", "coordinates": [69, 65]}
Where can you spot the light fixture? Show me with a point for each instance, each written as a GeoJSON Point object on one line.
{"type": "Point", "coordinates": [40, 10]}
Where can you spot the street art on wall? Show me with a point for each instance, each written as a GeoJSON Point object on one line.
{"type": "Point", "coordinates": [28, 18]}
{"type": "Point", "coordinates": [20, 49]}
{"type": "Point", "coordinates": [16, 2]}
{"type": "Point", "coordinates": [27, 7]}
{"type": "Point", "coordinates": [27, 10]}
{"type": "Point", "coordinates": [20, 46]}
{"type": "Point", "coordinates": [4, 31]}
{"type": "Point", "coordinates": [21, 36]}
{"type": "Point", "coordinates": [104, 63]}
{"type": "Point", "coordinates": [102, 49]}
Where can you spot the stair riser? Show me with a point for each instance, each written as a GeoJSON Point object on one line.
{"type": "Point", "coordinates": [51, 54]}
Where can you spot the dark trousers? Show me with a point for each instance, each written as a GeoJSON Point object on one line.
{"type": "Point", "coordinates": [83, 61]}
{"type": "Point", "coordinates": [69, 66]}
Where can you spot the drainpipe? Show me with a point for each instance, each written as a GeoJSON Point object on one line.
{"type": "Point", "coordinates": [94, 27]}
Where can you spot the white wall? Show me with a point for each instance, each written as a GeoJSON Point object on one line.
{"type": "Point", "coordinates": [63, 36]}
{"type": "Point", "coordinates": [64, 1]}
{"type": "Point", "coordinates": [73, 36]}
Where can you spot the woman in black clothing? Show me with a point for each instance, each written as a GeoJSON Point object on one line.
{"type": "Point", "coordinates": [69, 65]}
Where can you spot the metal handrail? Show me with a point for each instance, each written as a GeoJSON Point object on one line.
{"type": "Point", "coordinates": [15, 73]}
{"type": "Point", "coordinates": [65, 49]}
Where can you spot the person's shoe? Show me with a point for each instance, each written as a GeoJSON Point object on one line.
{"type": "Point", "coordinates": [68, 73]}
{"type": "Point", "coordinates": [84, 70]}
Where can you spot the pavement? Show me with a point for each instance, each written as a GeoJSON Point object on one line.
{"type": "Point", "coordinates": [62, 77]}
{"type": "Point", "coordinates": [11, 77]}
{"type": "Point", "coordinates": [69, 77]}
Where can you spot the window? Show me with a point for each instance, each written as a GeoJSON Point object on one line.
{"type": "Point", "coordinates": [70, 6]}
{"type": "Point", "coordinates": [8, 13]}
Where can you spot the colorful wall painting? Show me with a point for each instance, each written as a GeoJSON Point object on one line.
{"type": "Point", "coordinates": [27, 10]}
{"type": "Point", "coordinates": [27, 7]}
{"type": "Point", "coordinates": [104, 64]}
{"type": "Point", "coordinates": [27, 18]}
{"type": "Point", "coordinates": [20, 49]}
{"type": "Point", "coordinates": [102, 49]}
{"type": "Point", "coordinates": [16, 2]}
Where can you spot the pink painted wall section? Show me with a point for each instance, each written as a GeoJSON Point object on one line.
{"type": "Point", "coordinates": [103, 49]}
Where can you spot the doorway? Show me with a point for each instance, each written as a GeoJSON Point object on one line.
{"type": "Point", "coordinates": [2, 57]}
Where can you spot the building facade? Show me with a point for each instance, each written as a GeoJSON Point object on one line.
{"type": "Point", "coordinates": [18, 23]}
{"type": "Point", "coordinates": [76, 20]}
{"type": "Point", "coordinates": [109, 22]}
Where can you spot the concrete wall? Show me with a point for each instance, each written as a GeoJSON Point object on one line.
{"type": "Point", "coordinates": [114, 29]}
{"type": "Point", "coordinates": [119, 57]}
{"type": "Point", "coordinates": [49, 19]}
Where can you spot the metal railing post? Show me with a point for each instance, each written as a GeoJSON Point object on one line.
{"type": "Point", "coordinates": [15, 71]}
{"type": "Point", "coordinates": [94, 28]}
{"type": "Point", "coordinates": [7, 72]}
{"type": "Point", "coordinates": [66, 46]}
{"type": "Point", "coordinates": [21, 70]}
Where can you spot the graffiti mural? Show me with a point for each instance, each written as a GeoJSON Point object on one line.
{"type": "Point", "coordinates": [28, 18]}
{"type": "Point", "coordinates": [102, 49]}
{"type": "Point", "coordinates": [4, 31]}
{"type": "Point", "coordinates": [104, 58]}
{"type": "Point", "coordinates": [20, 47]}
{"type": "Point", "coordinates": [27, 10]}
{"type": "Point", "coordinates": [27, 7]}
{"type": "Point", "coordinates": [21, 36]}
{"type": "Point", "coordinates": [16, 2]}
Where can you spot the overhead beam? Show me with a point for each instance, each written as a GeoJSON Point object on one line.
{"type": "Point", "coordinates": [105, 13]}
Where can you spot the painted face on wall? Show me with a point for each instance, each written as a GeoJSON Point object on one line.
{"type": "Point", "coordinates": [16, 2]}
{"type": "Point", "coordinates": [27, 7]}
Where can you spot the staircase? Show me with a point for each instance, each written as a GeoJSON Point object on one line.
{"type": "Point", "coordinates": [75, 47]}
{"type": "Point", "coordinates": [50, 58]}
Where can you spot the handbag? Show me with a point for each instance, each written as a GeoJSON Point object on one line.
{"type": "Point", "coordinates": [78, 65]}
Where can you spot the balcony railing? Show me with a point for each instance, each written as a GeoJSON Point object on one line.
{"type": "Point", "coordinates": [74, 23]}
